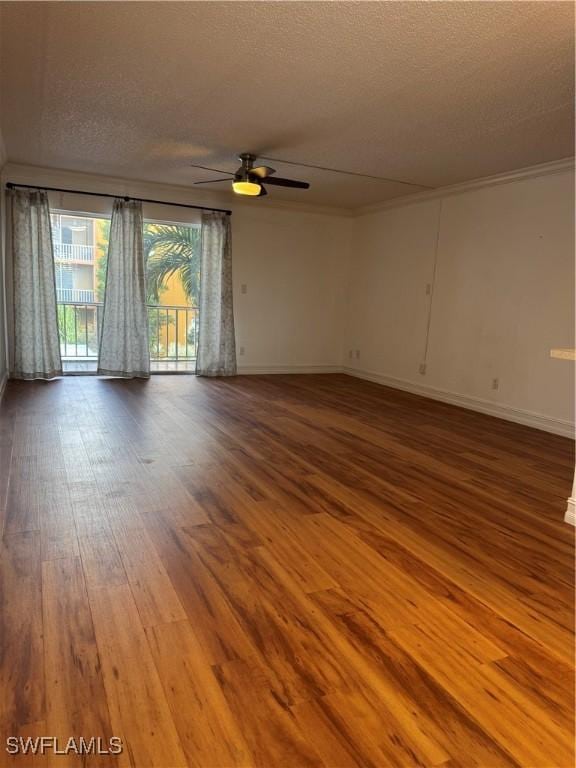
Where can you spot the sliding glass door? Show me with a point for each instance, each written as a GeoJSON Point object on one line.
{"type": "Point", "coordinates": [172, 253]}
{"type": "Point", "coordinates": [80, 244]}
{"type": "Point", "coordinates": [173, 264]}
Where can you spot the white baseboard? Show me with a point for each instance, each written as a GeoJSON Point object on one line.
{"type": "Point", "coordinates": [529, 418]}
{"type": "Point", "coordinates": [570, 516]}
{"type": "Point", "coordinates": [507, 412]}
{"type": "Point", "coordinates": [247, 370]}
{"type": "Point", "coordinates": [501, 411]}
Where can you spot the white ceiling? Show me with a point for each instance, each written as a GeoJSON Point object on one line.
{"type": "Point", "coordinates": [430, 93]}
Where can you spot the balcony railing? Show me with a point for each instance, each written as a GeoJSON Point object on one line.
{"type": "Point", "coordinates": [70, 252]}
{"type": "Point", "coordinates": [172, 331]}
{"type": "Point", "coordinates": [74, 295]}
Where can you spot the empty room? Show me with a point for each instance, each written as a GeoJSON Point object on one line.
{"type": "Point", "coordinates": [287, 313]}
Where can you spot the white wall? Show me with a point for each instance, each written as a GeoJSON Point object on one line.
{"type": "Point", "coordinates": [295, 268]}
{"type": "Point", "coordinates": [499, 261]}
{"type": "Point", "coordinates": [292, 261]}
{"type": "Point", "coordinates": [503, 296]}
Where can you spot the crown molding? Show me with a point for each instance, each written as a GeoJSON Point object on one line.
{"type": "Point", "coordinates": [32, 174]}
{"type": "Point", "coordinates": [510, 177]}
{"type": "Point", "coordinates": [35, 174]}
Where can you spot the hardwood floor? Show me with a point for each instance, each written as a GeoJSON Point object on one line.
{"type": "Point", "coordinates": [282, 571]}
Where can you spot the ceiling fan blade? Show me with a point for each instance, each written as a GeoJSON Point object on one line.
{"type": "Point", "coordinates": [205, 168]}
{"type": "Point", "coordinates": [286, 183]}
{"type": "Point", "coordinates": [262, 171]}
{"type": "Point", "coordinates": [214, 181]}
{"type": "Point", "coordinates": [262, 192]}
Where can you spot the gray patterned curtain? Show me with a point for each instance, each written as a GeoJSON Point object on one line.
{"type": "Point", "coordinates": [36, 342]}
{"type": "Point", "coordinates": [124, 347]}
{"type": "Point", "coordinates": [216, 342]}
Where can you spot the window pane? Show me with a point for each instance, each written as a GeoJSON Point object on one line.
{"type": "Point", "coordinates": [172, 253]}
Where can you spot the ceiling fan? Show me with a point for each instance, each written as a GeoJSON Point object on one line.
{"type": "Point", "coordinates": [248, 180]}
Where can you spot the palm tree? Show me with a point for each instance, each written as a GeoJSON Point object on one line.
{"type": "Point", "coordinates": [172, 249]}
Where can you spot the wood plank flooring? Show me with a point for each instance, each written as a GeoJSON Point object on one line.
{"type": "Point", "coordinates": [282, 571]}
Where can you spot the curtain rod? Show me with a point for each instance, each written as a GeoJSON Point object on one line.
{"type": "Point", "coordinates": [13, 185]}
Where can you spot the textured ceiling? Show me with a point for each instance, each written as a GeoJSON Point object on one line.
{"type": "Point", "coordinates": [429, 93]}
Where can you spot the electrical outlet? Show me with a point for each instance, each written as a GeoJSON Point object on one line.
{"type": "Point", "coordinates": [241, 352]}
{"type": "Point", "coordinates": [357, 354]}
{"type": "Point", "coordinates": [495, 383]}
{"type": "Point", "coordinates": [243, 288]}
{"type": "Point", "coordinates": [422, 369]}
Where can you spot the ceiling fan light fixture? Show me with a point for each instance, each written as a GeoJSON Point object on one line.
{"type": "Point", "coordinates": [251, 181]}
{"type": "Point", "coordinates": [246, 188]}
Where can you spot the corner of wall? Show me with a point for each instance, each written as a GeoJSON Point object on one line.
{"type": "Point", "coordinates": [346, 293]}
{"type": "Point", "coordinates": [477, 334]}
{"type": "Point", "coordinates": [3, 311]}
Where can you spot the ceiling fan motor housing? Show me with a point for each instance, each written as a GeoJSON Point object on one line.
{"type": "Point", "coordinates": [247, 160]}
